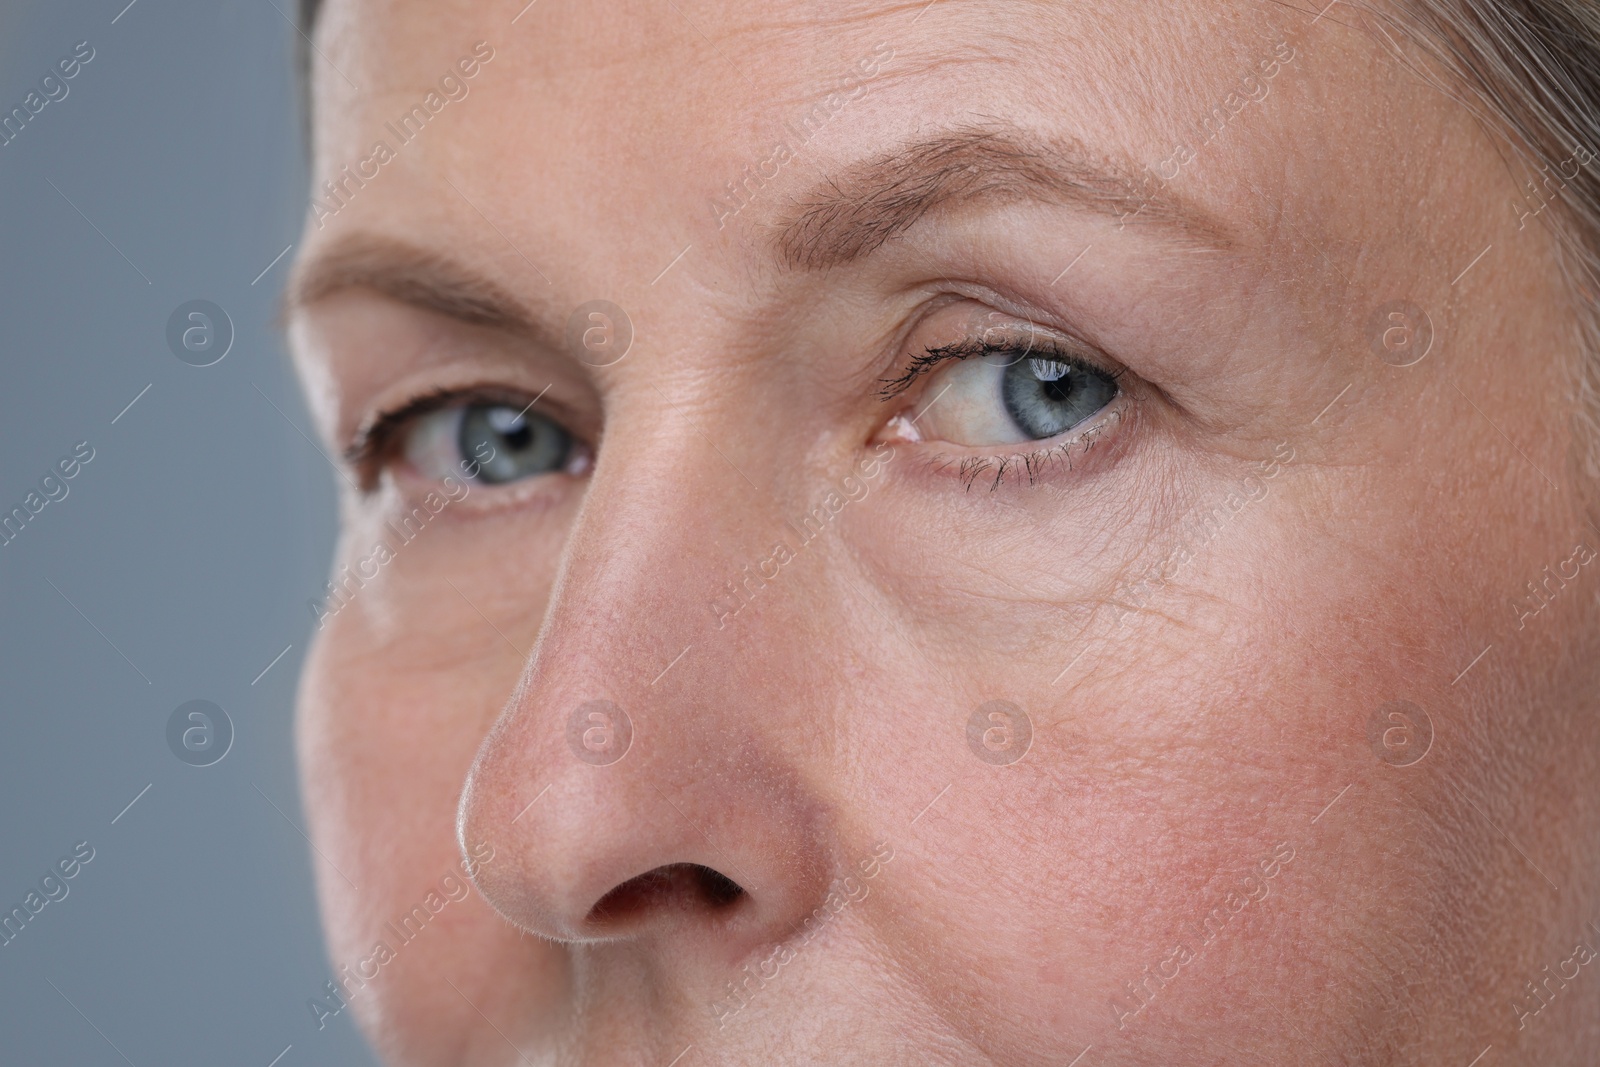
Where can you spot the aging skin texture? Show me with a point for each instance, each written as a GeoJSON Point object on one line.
{"type": "Point", "coordinates": [1203, 598]}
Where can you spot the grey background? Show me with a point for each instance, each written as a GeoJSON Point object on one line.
{"type": "Point", "coordinates": [192, 541]}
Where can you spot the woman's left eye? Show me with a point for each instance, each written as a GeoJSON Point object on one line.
{"type": "Point", "coordinates": [1001, 397]}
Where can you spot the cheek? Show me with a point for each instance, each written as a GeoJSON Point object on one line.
{"type": "Point", "coordinates": [1164, 766]}
{"type": "Point", "coordinates": [399, 690]}
{"type": "Point", "coordinates": [457, 588]}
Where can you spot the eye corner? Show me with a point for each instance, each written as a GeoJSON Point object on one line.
{"type": "Point", "coordinates": [376, 439]}
{"type": "Point", "coordinates": [365, 456]}
{"type": "Point", "coordinates": [916, 365]}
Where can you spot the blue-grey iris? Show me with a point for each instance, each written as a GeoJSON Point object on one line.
{"type": "Point", "coordinates": [517, 444]}
{"type": "Point", "coordinates": [1045, 397]}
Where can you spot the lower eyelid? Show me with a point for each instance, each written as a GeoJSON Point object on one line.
{"type": "Point", "coordinates": [530, 497]}
{"type": "Point", "coordinates": [1080, 450]}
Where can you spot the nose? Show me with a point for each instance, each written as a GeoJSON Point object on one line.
{"type": "Point", "coordinates": [650, 776]}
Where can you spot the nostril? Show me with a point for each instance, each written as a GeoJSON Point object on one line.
{"type": "Point", "coordinates": [718, 889]}
{"type": "Point", "coordinates": [676, 886]}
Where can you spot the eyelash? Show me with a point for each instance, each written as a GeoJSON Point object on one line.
{"type": "Point", "coordinates": [1034, 463]}
{"type": "Point", "coordinates": [378, 441]}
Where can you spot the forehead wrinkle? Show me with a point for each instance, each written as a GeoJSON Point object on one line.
{"type": "Point", "coordinates": [907, 71]}
{"type": "Point", "coordinates": [853, 213]}
{"type": "Point", "coordinates": [823, 39]}
{"type": "Point", "coordinates": [826, 25]}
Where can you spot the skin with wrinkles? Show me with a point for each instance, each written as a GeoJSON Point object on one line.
{"type": "Point", "coordinates": [1201, 602]}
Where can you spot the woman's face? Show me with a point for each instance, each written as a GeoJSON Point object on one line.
{"type": "Point", "coordinates": [954, 532]}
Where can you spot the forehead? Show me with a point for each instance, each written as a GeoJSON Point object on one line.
{"type": "Point", "coordinates": [591, 117]}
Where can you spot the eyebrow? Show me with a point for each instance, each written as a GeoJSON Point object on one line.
{"type": "Point", "coordinates": [848, 216]}
{"type": "Point", "coordinates": [858, 210]}
{"type": "Point", "coordinates": [414, 276]}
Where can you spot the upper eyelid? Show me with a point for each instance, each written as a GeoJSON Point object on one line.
{"type": "Point", "coordinates": [375, 430]}
{"type": "Point", "coordinates": [920, 364]}
{"type": "Point", "coordinates": [1047, 347]}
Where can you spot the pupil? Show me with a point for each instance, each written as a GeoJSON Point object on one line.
{"type": "Point", "coordinates": [1056, 391]}
{"type": "Point", "coordinates": [1045, 397]}
{"type": "Point", "coordinates": [518, 439]}
{"type": "Point", "coordinates": [1054, 380]}
{"type": "Point", "coordinates": [509, 445]}
{"type": "Point", "coordinates": [511, 426]}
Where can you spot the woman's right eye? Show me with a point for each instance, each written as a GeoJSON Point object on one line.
{"type": "Point", "coordinates": [489, 444]}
